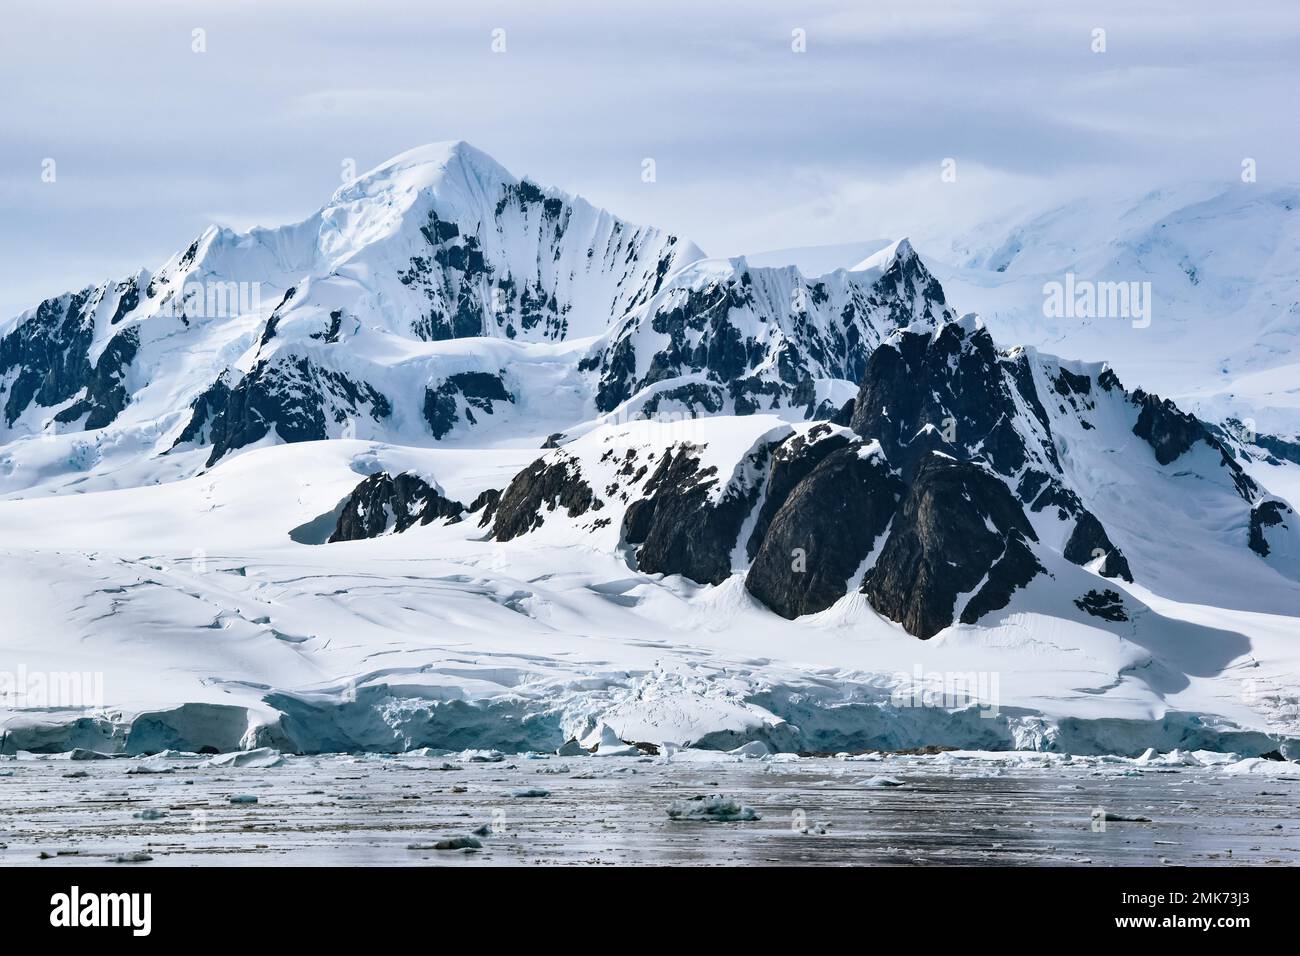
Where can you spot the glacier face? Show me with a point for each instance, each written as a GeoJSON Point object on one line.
{"type": "Point", "coordinates": [462, 461]}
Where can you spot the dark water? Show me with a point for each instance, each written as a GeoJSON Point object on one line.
{"type": "Point", "coordinates": [373, 810]}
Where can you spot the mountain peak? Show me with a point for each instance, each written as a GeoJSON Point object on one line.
{"type": "Point", "coordinates": [435, 163]}
{"type": "Point", "coordinates": [880, 262]}
{"type": "Point", "coordinates": [461, 178]}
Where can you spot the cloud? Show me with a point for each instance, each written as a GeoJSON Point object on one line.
{"type": "Point", "coordinates": [756, 146]}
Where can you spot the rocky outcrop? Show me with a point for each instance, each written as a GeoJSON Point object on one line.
{"type": "Point", "coordinates": [957, 527]}
{"type": "Point", "coordinates": [458, 396]}
{"type": "Point", "coordinates": [106, 393]}
{"type": "Point", "coordinates": [1107, 605]}
{"type": "Point", "coordinates": [681, 526]}
{"type": "Point", "coordinates": [486, 502]}
{"type": "Point", "coordinates": [792, 461]}
{"type": "Point", "coordinates": [725, 335]}
{"type": "Point", "coordinates": [385, 503]}
{"type": "Point", "coordinates": [300, 400]}
{"type": "Point", "coordinates": [1088, 541]}
{"type": "Point", "coordinates": [1167, 430]}
{"type": "Point", "coordinates": [825, 527]}
{"type": "Point", "coordinates": [1267, 514]}
{"type": "Point", "coordinates": [951, 391]}
{"type": "Point", "coordinates": [49, 354]}
{"type": "Point", "coordinates": [548, 483]}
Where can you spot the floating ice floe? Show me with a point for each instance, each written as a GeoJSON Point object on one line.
{"type": "Point", "coordinates": [714, 808]}
{"type": "Point", "coordinates": [882, 782]}
{"type": "Point", "coordinates": [259, 757]}
{"type": "Point", "coordinates": [608, 743]}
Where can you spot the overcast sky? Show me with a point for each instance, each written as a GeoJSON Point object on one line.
{"type": "Point", "coordinates": [756, 146]}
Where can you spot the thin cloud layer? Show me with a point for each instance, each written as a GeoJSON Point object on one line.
{"type": "Point", "coordinates": [756, 146]}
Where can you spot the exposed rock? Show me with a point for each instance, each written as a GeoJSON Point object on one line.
{"type": "Point", "coordinates": [1170, 433]}
{"type": "Point", "coordinates": [383, 503]}
{"type": "Point", "coordinates": [1089, 537]}
{"type": "Point", "coordinates": [487, 501]}
{"type": "Point", "coordinates": [956, 523]}
{"type": "Point", "coordinates": [947, 392]}
{"type": "Point", "coordinates": [1013, 571]}
{"type": "Point", "coordinates": [824, 528]}
{"type": "Point", "coordinates": [679, 526]}
{"type": "Point", "coordinates": [459, 395]}
{"type": "Point", "coordinates": [792, 461]}
{"type": "Point", "coordinates": [1167, 430]}
{"type": "Point", "coordinates": [1275, 445]}
{"type": "Point", "coordinates": [760, 338]}
{"type": "Point", "coordinates": [845, 415]}
{"type": "Point", "coordinates": [548, 483]}
{"type": "Point", "coordinates": [1267, 514]}
{"type": "Point", "coordinates": [1105, 604]}
{"type": "Point", "coordinates": [295, 397]}
{"type": "Point", "coordinates": [50, 352]}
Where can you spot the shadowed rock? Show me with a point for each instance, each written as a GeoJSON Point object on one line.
{"type": "Point", "coordinates": [1267, 514]}
{"type": "Point", "coordinates": [956, 523]}
{"type": "Point", "coordinates": [384, 503]}
{"type": "Point", "coordinates": [679, 526]}
{"type": "Point", "coordinates": [1089, 537]}
{"type": "Point", "coordinates": [824, 530]}
{"type": "Point", "coordinates": [546, 484]}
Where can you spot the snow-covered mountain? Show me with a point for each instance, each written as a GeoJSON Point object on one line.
{"type": "Point", "coordinates": [463, 461]}
{"type": "Point", "coordinates": [1223, 337]}
{"type": "Point", "coordinates": [436, 295]}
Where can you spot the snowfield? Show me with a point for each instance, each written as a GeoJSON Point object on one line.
{"type": "Point", "coordinates": [200, 610]}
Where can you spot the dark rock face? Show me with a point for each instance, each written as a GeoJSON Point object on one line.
{"type": "Point", "coordinates": [106, 393]}
{"type": "Point", "coordinates": [384, 503]}
{"type": "Point", "coordinates": [1014, 570]}
{"type": "Point", "coordinates": [1266, 514]}
{"type": "Point", "coordinates": [1161, 425]}
{"type": "Point", "coordinates": [948, 392]}
{"type": "Point", "coordinates": [468, 294]}
{"type": "Point", "coordinates": [50, 351]}
{"type": "Point", "coordinates": [1277, 446]}
{"type": "Point", "coordinates": [941, 545]}
{"type": "Point", "coordinates": [824, 528]}
{"type": "Point", "coordinates": [293, 396]}
{"type": "Point", "coordinates": [679, 528]}
{"type": "Point", "coordinates": [845, 414]}
{"type": "Point", "coordinates": [463, 392]}
{"type": "Point", "coordinates": [486, 502]}
{"type": "Point", "coordinates": [1089, 537]}
{"type": "Point", "coordinates": [792, 461]}
{"type": "Point", "coordinates": [1170, 433]}
{"type": "Point", "coordinates": [722, 329]}
{"type": "Point", "coordinates": [1105, 604]}
{"type": "Point", "coordinates": [546, 484]}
